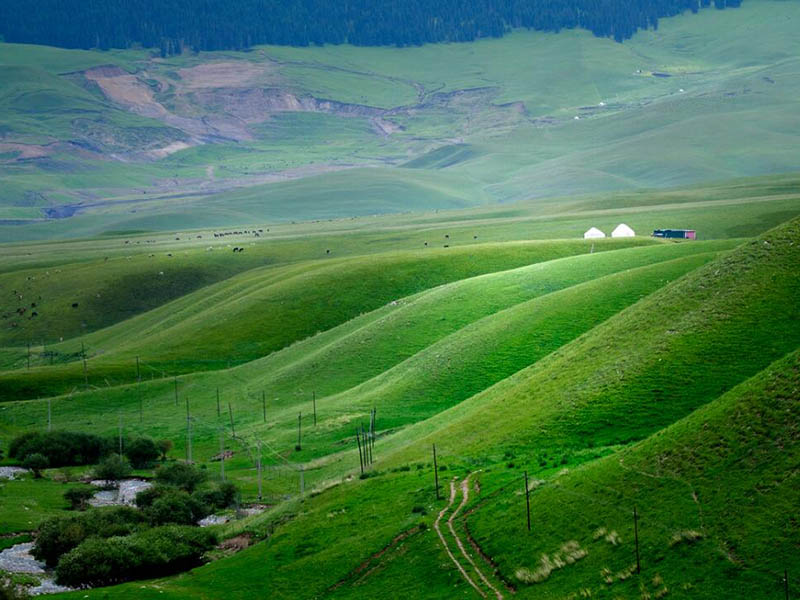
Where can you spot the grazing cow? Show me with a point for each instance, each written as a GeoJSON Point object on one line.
{"type": "Point", "coordinates": [34, 314]}
{"type": "Point", "coordinates": [327, 251]}
{"type": "Point", "coordinates": [74, 305]}
{"type": "Point", "coordinates": [474, 237]}
{"type": "Point", "coordinates": [447, 235]}
{"type": "Point", "coordinates": [426, 243]}
{"type": "Point", "coordinates": [447, 245]}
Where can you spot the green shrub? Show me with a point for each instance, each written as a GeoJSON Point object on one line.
{"type": "Point", "coordinates": [78, 498]}
{"type": "Point", "coordinates": [59, 535]}
{"type": "Point", "coordinates": [222, 496]}
{"type": "Point", "coordinates": [112, 468]}
{"type": "Point", "coordinates": [176, 506]}
{"type": "Point", "coordinates": [152, 553]}
{"type": "Point", "coordinates": [142, 452]}
{"type": "Point", "coordinates": [36, 462]}
{"type": "Point", "coordinates": [181, 475]}
{"type": "Point", "coordinates": [62, 448]}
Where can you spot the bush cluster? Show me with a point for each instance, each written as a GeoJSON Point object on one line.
{"type": "Point", "coordinates": [151, 553]}
{"type": "Point", "coordinates": [67, 448]}
{"type": "Point", "coordinates": [58, 535]}
{"type": "Point", "coordinates": [109, 545]}
{"type": "Point", "coordinates": [164, 504]}
{"type": "Point", "coordinates": [61, 448]}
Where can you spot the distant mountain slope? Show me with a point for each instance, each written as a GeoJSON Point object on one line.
{"type": "Point", "coordinates": [173, 25]}
{"type": "Point", "coordinates": [92, 141]}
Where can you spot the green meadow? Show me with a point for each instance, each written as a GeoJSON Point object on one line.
{"type": "Point", "coordinates": [586, 366]}
{"type": "Point", "coordinates": [259, 252]}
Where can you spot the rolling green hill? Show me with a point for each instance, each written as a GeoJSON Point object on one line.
{"type": "Point", "coordinates": [679, 405]}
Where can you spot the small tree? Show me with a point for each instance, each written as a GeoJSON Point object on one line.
{"type": "Point", "coordinates": [113, 468]}
{"type": "Point", "coordinates": [142, 452]}
{"type": "Point", "coordinates": [36, 462]}
{"type": "Point", "coordinates": [164, 446]}
{"type": "Point", "coordinates": [78, 498]}
{"type": "Point", "coordinates": [181, 475]}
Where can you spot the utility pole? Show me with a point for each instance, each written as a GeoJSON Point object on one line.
{"type": "Point", "coordinates": [636, 538]}
{"type": "Point", "coordinates": [49, 416]}
{"type": "Point", "coordinates": [436, 472]}
{"type": "Point", "coordinates": [188, 430]}
{"type": "Point", "coordinates": [360, 455]}
{"type": "Point", "coordinates": [139, 394]}
{"type": "Point", "coordinates": [218, 402]}
{"type": "Point", "coordinates": [120, 434]}
{"type": "Point", "coordinates": [138, 373]}
{"type": "Point", "coordinates": [264, 404]}
{"type": "Point", "coordinates": [314, 401]}
{"type": "Point", "coordinates": [230, 413]}
{"type": "Point", "coordinates": [222, 453]}
{"type": "Point", "coordinates": [189, 439]}
{"type": "Point", "coordinates": [258, 444]}
{"type": "Point", "coordinates": [175, 380]}
{"type": "Point", "coordinates": [527, 501]}
{"type": "Point", "coordinates": [299, 431]}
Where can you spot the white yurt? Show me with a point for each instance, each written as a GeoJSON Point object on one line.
{"type": "Point", "coordinates": [593, 233]}
{"type": "Point", "coordinates": [622, 230]}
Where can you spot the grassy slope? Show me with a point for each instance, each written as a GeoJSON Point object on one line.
{"type": "Point", "coordinates": [263, 310]}
{"type": "Point", "coordinates": [365, 357]}
{"type": "Point", "coordinates": [726, 471]}
{"type": "Point", "coordinates": [129, 282]}
{"type": "Point", "coordinates": [644, 369]}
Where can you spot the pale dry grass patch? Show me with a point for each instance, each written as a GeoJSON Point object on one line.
{"type": "Point", "coordinates": [569, 553]}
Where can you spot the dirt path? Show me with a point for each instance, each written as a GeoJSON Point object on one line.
{"type": "Point", "coordinates": [464, 500]}
{"type": "Point", "coordinates": [464, 488]}
{"type": "Point", "coordinates": [444, 542]}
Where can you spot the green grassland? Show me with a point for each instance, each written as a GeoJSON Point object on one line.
{"type": "Point", "coordinates": [480, 123]}
{"type": "Point", "coordinates": [683, 404]}
{"type": "Point", "coordinates": [419, 214]}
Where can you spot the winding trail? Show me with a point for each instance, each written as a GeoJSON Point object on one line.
{"type": "Point", "coordinates": [464, 488]}
{"type": "Point", "coordinates": [464, 500]}
{"type": "Point", "coordinates": [444, 542]}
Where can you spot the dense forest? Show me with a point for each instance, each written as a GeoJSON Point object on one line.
{"type": "Point", "coordinates": [178, 25]}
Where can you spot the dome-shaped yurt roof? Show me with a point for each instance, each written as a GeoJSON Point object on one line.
{"type": "Point", "coordinates": [622, 230]}
{"type": "Point", "coordinates": [592, 233]}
